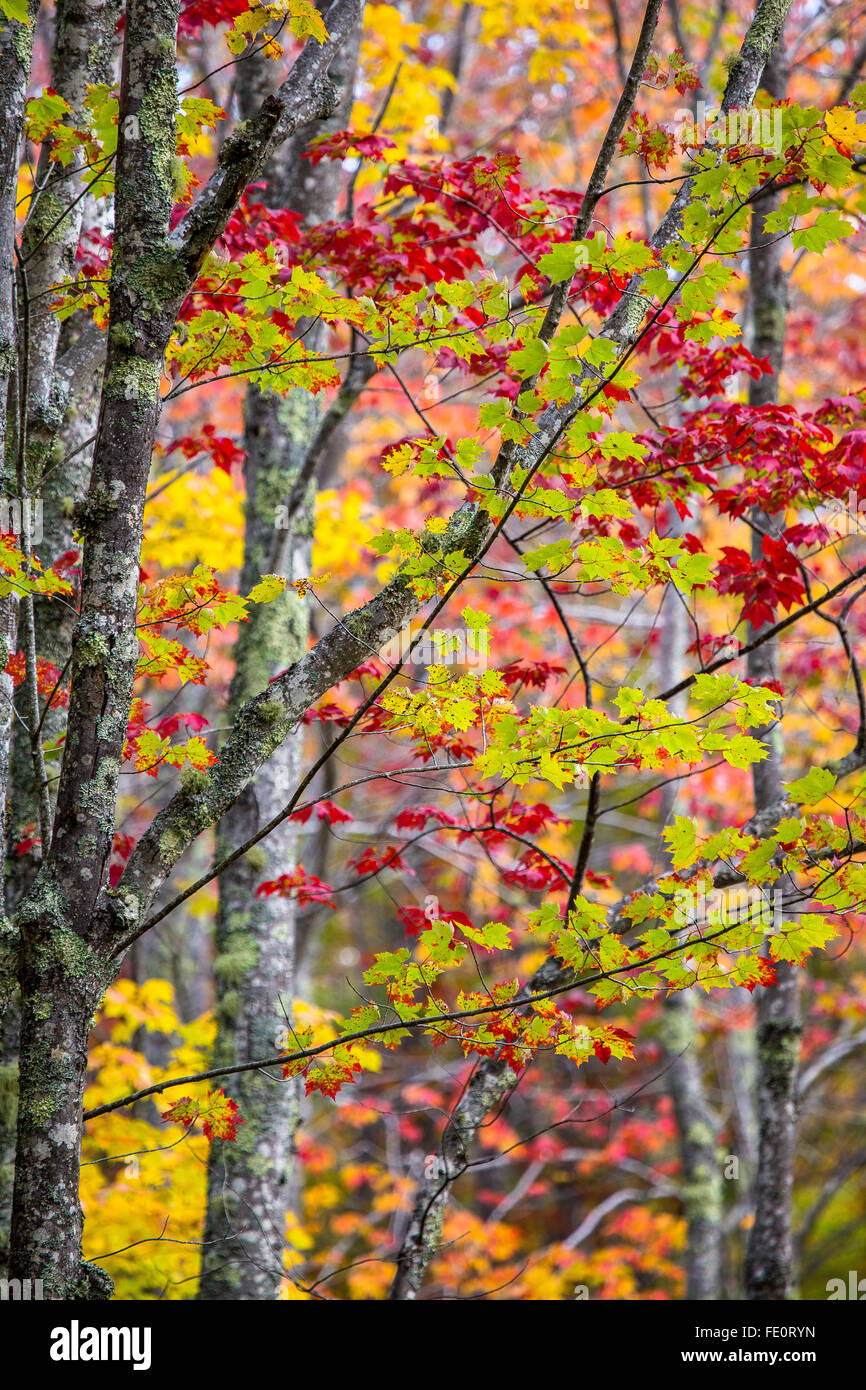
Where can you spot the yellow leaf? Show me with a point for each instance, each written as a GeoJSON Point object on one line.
{"type": "Point", "coordinates": [841, 124]}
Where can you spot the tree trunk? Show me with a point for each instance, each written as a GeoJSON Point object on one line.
{"type": "Point", "coordinates": [254, 967]}
{"type": "Point", "coordinates": [248, 1181]}
{"type": "Point", "coordinates": [769, 1271]}
{"type": "Point", "coordinates": [84, 36]}
{"type": "Point", "coordinates": [74, 929]}
{"type": "Point", "coordinates": [62, 983]}
{"type": "Point", "coordinates": [701, 1175]}
{"type": "Point", "coordinates": [490, 1081]}
{"type": "Point", "coordinates": [15, 56]}
{"type": "Point", "coordinates": [701, 1178]}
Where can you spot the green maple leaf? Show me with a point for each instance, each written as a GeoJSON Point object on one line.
{"type": "Point", "coordinates": [817, 783]}
{"type": "Point", "coordinates": [829, 226]}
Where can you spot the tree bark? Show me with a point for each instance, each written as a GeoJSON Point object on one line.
{"type": "Point", "coordinates": [84, 36]}
{"type": "Point", "coordinates": [62, 984]}
{"type": "Point", "coordinates": [16, 41]}
{"type": "Point", "coordinates": [701, 1178]}
{"type": "Point", "coordinates": [248, 1182]}
{"type": "Point", "coordinates": [64, 363]}
{"type": "Point", "coordinates": [61, 968]}
{"type": "Point", "coordinates": [769, 1270]}
{"type": "Point", "coordinates": [701, 1174]}
{"type": "Point", "coordinates": [67, 951]}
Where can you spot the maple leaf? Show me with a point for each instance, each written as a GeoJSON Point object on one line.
{"type": "Point", "coordinates": [269, 587]}
{"type": "Point", "coordinates": [534, 674]}
{"type": "Point", "coordinates": [47, 679]}
{"type": "Point", "coordinates": [221, 448]}
{"type": "Point", "coordinates": [755, 971]}
{"type": "Point", "coordinates": [198, 754]}
{"type": "Point", "coordinates": [221, 1117]}
{"type": "Point", "coordinates": [842, 126]}
{"type": "Point", "coordinates": [171, 723]}
{"type": "Point", "coordinates": [253, 223]}
{"type": "Point", "coordinates": [651, 141]}
{"type": "Point", "coordinates": [17, 10]}
{"type": "Point", "coordinates": [44, 113]}
{"type": "Point", "coordinates": [372, 861]}
{"type": "Point", "coordinates": [529, 820]}
{"type": "Point", "coordinates": [325, 811]}
{"type": "Point", "coordinates": [306, 887]}
{"type": "Point", "coordinates": [417, 919]}
{"type": "Point", "coordinates": [184, 1111]}
{"type": "Point", "coordinates": [416, 817]}
{"type": "Point", "coordinates": [329, 1079]}
{"type": "Point", "coordinates": [765, 584]}
{"type": "Point", "coordinates": [344, 142]}
{"type": "Point", "coordinates": [414, 919]}
{"type": "Point", "coordinates": [327, 713]}
{"type": "Point", "coordinates": [195, 14]}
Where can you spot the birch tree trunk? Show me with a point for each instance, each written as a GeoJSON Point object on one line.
{"type": "Point", "coordinates": [15, 57]}
{"type": "Point", "coordinates": [769, 1272]}
{"type": "Point", "coordinates": [73, 929]}
{"type": "Point", "coordinates": [248, 1181]}
{"type": "Point", "coordinates": [59, 379]}
{"type": "Point", "coordinates": [700, 1168]}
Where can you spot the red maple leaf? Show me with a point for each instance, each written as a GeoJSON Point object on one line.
{"type": "Point", "coordinates": [344, 143]}
{"type": "Point", "coordinates": [306, 887]}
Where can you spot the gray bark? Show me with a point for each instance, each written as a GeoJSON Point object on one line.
{"type": "Point", "coordinates": [82, 48]}
{"type": "Point", "coordinates": [769, 1270]}
{"type": "Point", "coordinates": [64, 362]}
{"type": "Point", "coordinates": [701, 1178]}
{"type": "Point", "coordinates": [15, 57]}
{"type": "Point", "coordinates": [61, 973]}
{"type": "Point", "coordinates": [248, 1182]}
{"type": "Point", "coordinates": [701, 1174]}
{"type": "Point", "coordinates": [64, 960]}
{"type": "Point", "coordinates": [83, 54]}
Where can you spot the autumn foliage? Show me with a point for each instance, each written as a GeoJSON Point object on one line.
{"type": "Point", "coordinates": [526, 824]}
